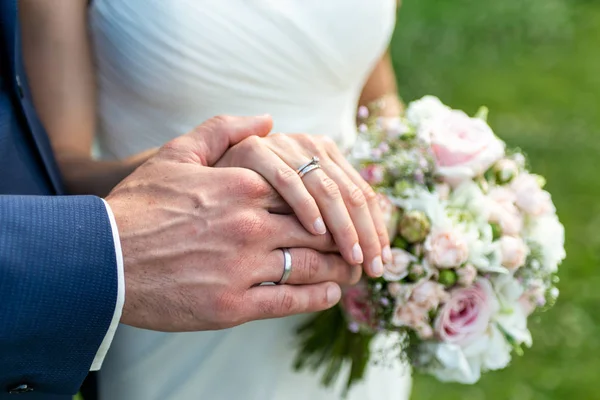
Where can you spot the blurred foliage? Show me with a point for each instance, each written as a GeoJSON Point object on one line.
{"type": "Point", "coordinates": [536, 65]}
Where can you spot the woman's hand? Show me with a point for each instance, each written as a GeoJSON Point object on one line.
{"type": "Point", "coordinates": [334, 196]}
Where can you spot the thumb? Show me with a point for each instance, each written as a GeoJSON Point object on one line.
{"type": "Point", "coordinates": [209, 141]}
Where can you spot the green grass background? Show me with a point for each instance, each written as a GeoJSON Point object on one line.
{"type": "Point", "coordinates": [536, 65]}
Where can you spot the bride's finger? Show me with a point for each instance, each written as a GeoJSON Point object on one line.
{"type": "Point", "coordinates": [253, 154]}
{"type": "Point", "coordinates": [369, 193]}
{"type": "Point", "coordinates": [328, 196]}
{"type": "Point", "coordinates": [308, 266]}
{"type": "Point", "coordinates": [358, 208]}
{"type": "Point", "coordinates": [329, 199]}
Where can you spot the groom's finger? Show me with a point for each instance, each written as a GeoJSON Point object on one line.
{"type": "Point", "coordinates": [310, 266]}
{"type": "Point", "coordinates": [264, 302]}
{"type": "Point", "coordinates": [206, 143]}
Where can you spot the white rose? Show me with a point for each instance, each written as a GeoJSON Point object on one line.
{"type": "Point", "coordinates": [463, 147]}
{"type": "Point", "coordinates": [513, 251]}
{"type": "Point", "coordinates": [530, 197]}
{"type": "Point", "coordinates": [398, 268]}
{"type": "Point", "coordinates": [465, 364]}
{"type": "Point", "coordinates": [549, 234]}
{"type": "Point", "coordinates": [421, 111]}
{"type": "Point", "coordinates": [511, 316]}
{"type": "Point", "coordinates": [446, 248]}
{"type": "Point", "coordinates": [503, 211]}
{"type": "Point", "coordinates": [468, 197]}
{"type": "Point", "coordinates": [484, 253]}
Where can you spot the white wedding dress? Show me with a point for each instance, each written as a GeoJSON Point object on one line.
{"type": "Point", "coordinates": [165, 66]}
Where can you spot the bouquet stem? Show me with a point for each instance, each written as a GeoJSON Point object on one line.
{"type": "Point", "coordinates": [326, 341]}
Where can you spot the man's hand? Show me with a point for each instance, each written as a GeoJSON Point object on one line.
{"type": "Point", "coordinates": [198, 241]}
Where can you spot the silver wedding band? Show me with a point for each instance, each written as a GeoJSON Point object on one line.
{"type": "Point", "coordinates": [309, 166]}
{"type": "Point", "coordinates": [287, 266]}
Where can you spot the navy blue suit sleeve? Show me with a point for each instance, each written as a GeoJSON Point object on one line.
{"type": "Point", "coordinates": [58, 289]}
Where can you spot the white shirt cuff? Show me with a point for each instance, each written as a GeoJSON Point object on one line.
{"type": "Point", "coordinates": [110, 334]}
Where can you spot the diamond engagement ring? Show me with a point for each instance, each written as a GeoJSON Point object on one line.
{"type": "Point", "coordinates": [309, 166]}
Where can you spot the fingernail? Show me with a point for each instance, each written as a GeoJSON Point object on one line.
{"type": "Point", "coordinates": [377, 266]}
{"type": "Point", "coordinates": [357, 253]}
{"type": "Point", "coordinates": [333, 294]}
{"type": "Point", "coordinates": [319, 226]}
{"type": "Point", "coordinates": [387, 255]}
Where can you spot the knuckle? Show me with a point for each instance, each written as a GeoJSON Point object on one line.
{"type": "Point", "coordinates": [310, 266]}
{"type": "Point", "coordinates": [250, 227]}
{"type": "Point", "coordinates": [329, 188]}
{"type": "Point", "coordinates": [370, 195]}
{"type": "Point", "coordinates": [287, 302]}
{"type": "Point", "coordinates": [226, 304]}
{"type": "Point", "coordinates": [285, 177]}
{"type": "Point", "coordinates": [348, 231]}
{"type": "Point", "coordinates": [220, 122]}
{"type": "Point", "coordinates": [356, 197]}
{"type": "Point", "coordinates": [252, 184]}
{"type": "Point", "coordinates": [277, 136]}
{"type": "Point", "coordinates": [251, 143]}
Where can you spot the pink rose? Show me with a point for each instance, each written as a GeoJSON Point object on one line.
{"type": "Point", "coordinates": [390, 214]}
{"type": "Point", "coordinates": [463, 147]}
{"type": "Point", "coordinates": [467, 314]}
{"type": "Point", "coordinates": [466, 275]}
{"type": "Point", "coordinates": [398, 268]}
{"type": "Point", "coordinates": [355, 301]}
{"type": "Point", "coordinates": [428, 295]}
{"type": "Point", "coordinates": [504, 212]}
{"type": "Point", "coordinates": [530, 197]}
{"type": "Point", "coordinates": [446, 248]}
{"type": "Point", "coordinates": [373, 174]}
{"type": "Point", "coordinates": [513, 251]}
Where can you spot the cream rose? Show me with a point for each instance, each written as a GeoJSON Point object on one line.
{"type": "Point", "coordinates": [513, 252]}
{"type": "Point", "coordinates": [428, 295]}
{"type": "Point", "coordinates": [503, 211]}
{"type": "Point", "coordinates": [466, 275]}
{"type": "Point", "coordinates": [409, 314]}
{"type": "Point", "coordinates": [446, 248]}
{"type": "Point", "coordinates": [398, 268]}
{"type": "Point", "coordinates": [530, 197]}
{"type": "Point", "coordinates": [463, 147]}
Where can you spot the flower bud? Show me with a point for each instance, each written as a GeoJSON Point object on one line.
{"type": "Point", "coordinates": [466, 275]}
{"type": "Point", "coordinates": [416, 272]}
{"type": "Point", "coordinates": [448, 277]}
{"type": "Point", "coordinates": [505, 170]}
{"type": "Point", "coordinates": [414, 226]}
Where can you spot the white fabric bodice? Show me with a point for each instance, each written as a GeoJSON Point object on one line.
{"type": "Point", "coordinates": [166, 66]}
{"type": "Point", "coordinates": [163, 67]}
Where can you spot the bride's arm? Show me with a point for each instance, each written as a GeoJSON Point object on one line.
{"type": "Point", "coordinates": [381, 87]}
{"type": "Point", "coordinates": [61, 75]}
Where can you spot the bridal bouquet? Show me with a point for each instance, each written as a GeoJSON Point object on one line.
{"type": "Point", "coordinates": [476, 246]}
